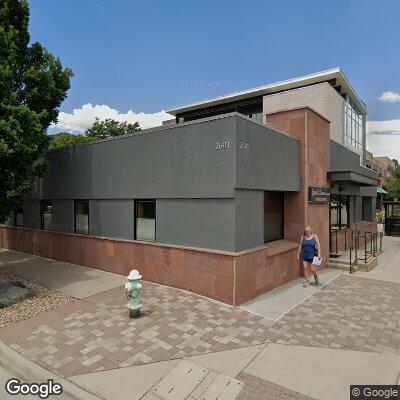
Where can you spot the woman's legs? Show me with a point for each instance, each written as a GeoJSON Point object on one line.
{"type": "Point", "coordinates": [313, 270]}
{"type": "Point", "coordinates": [306, 272]}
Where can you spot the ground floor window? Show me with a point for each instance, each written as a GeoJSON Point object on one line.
{"type": "Point", "coordinates": [19, 217]}
{"type": "Point", "coordinates": [82, 217]}
{"type": "Point", "coordinates": [47, 215]}
{"type": "Point", "coordinates": [393, 211]}
{"type": "Point", "coordinates": [273, 216]}
{"type": "Point", "coordinates": [145, 220]}
{"type": "Point", "coordinates": [339, 211]}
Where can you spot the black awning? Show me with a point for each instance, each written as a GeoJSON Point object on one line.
{"type": "Point", "coordinates": [352, 178]}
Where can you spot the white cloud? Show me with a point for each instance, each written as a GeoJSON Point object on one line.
{"type": "Point", "coordinates": [388, 127]}
{"type": "Point", "coordinates": [390, 97]}
{"type": "Point", "coordinates": [384, 138]}
{"type": "Point", "coordinates": [82, 118]}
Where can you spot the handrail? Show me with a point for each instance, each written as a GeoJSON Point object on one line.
{"type": "Point", "coordinates": [373, 247]}
{"type": "Point", "coordinates": [335, 232]}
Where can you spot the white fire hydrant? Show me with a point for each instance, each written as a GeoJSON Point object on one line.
{"type": "Point", "coordinates": [133, 287]}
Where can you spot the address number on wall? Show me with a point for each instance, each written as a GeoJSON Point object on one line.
{"type": "Point", "coordinates": [222, 145]}
{"type": "Point", "coordinates": [244, 145]}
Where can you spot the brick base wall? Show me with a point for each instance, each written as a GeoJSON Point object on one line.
{"type": "Point", "coordinates": [232, 278]}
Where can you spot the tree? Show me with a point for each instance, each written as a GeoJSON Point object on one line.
{"type": "Point", "coordinates": [33, 84]}
{"type": "Point", "coordinates": [109, 128]}
{"type": "Point", "coordinates": [104, 129]}
{"type": "Point", "coordinates": [392, 184]}
{"type": "Point", "coordinates": [65, 139]}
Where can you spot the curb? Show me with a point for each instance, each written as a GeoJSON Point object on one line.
{"type": "Point", "coordinates": [30, 372]}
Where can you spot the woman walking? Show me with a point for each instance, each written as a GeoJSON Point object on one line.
{"type": "Point", "coordinates": [309, 247]}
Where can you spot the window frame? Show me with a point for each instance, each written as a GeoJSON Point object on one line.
{"type": "Point", "coordinates": [15, 217]}
{"type": "Point", "coordinates": [136, 202]}
{"type": "Point", "coordinates": [76, 201]}
{"type": "Point", "coordinates": [339, 198]}
{"type": "Point", "coordinates": [42, 204]}
{"type": "Point", "coordinates": [282, 204]}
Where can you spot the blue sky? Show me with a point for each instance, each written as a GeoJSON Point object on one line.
{"type": "Point", "coordinates": [148, 56]}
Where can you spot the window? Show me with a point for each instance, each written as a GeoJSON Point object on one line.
{"type": "Point", "coordinates": [273, 216]}
{"type": "Point", "coordinates": [393, 211]}
{"type": "Point", "coordinates": [339, 211]}
{"type": "Point", "coordinates": [145, 220]}
{"type": "Point", "coordinates": [19, 217]}
{"type": "Point", "coordinates": [82, 217]}
{"type": "Point", "coordinates": [354, 125]}
{"type": "Point", "coordinates": [47, 215]}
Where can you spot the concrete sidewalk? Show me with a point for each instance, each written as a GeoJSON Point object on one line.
{"type": "Point", "coordinates": [346, 333]}
{"type": "Point", "coordinates": [71, 279]}
{"type": "Point", "coordinates": [278, 302]}
{"type": "Point", "coordinates": [388, 267]}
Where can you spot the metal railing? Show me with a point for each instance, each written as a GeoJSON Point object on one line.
{"type": "Point", "coordinates": [371, 247]}
{"type": "Point", "coordinates": [335, 232]}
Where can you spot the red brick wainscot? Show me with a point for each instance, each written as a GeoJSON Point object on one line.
{"type": "Point", "coordinates": [232, 278]}
{"type": "Point", "coordinates": [341, 239]}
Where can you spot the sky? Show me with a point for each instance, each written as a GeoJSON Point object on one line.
{"type": "Point", "coordinates": [132, 60]}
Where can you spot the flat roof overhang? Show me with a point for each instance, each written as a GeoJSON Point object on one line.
{"type": "Point", "coordinates": [352, 178]}
{"type": "Point", "coordinates": [335, 73]}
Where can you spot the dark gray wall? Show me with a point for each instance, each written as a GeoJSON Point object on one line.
{"type": "Point", "coordinates": [111, 218]}
{"type": "Point", "coordinates": [368, 208]}
{"type": "Point", "coordinates": [180, 161]}
{"type": "Point", "coordinates": [180, 166]}
{"type": "Point", "coordinates": [356, 209]}
{"type": "Point", "coordinates": [343, 159]}
{"type": "Point", "coordinates": [249, 219]}
{"type": "Point", "coordinates": [32, 218]}
{"type": "Point", "coordinates": [204, 223]}
{"type": "Point", "coordinates": [271, 162]}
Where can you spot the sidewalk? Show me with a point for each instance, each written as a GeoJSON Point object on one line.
{"type": "Point", "coordinates": [345, 333]}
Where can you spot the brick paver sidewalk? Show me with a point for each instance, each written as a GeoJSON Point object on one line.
{"type": "Point", "coordinates": [96, 334]}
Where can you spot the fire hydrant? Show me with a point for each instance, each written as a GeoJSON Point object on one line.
{"type": "Point", "coordinates": [133, 287]}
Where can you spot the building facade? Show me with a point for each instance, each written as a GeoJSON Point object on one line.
{"type": "Point", "coordinates": [216, 200]}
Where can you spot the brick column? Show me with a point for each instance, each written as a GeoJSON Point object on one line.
{"type": "Point", "coordinates": [313, 131]}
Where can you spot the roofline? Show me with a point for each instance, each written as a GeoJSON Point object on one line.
{"type": "Point", "coordinates": [271, 88]}
{"type": "Point", "coordinates": [161, 128]}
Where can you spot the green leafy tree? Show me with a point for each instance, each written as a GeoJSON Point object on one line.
{"type": "Point", "coordinates": [392, 185]}
{"type": "Point", "coordinates": [109, 128]}
{"type": "Point", "coordinates": [33, 84]}
{"type": "Point", "coordinates": [65, 139]}
{"type": "Point", "coordinates": [101, 129]}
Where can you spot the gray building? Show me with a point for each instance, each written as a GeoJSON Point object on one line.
{"type": "Point", "coordinates": [227, 176]}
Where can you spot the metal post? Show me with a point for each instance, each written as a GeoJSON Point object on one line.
{"type": "Point", "coordinates": [365, 247]}
{"type": "Point", "coordinates": [372, 244]}
{"type": "Point", "coordinates": [336, 232]}
{"type": "Point", "coordinates": [356, 249]}
{"type": "Point", "coordinates": [351, 261]}
{"type": "Point", "coordinates": [381, 237]}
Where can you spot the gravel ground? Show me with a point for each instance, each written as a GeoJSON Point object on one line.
{"type": "Point", "coordinates": [45, 300]}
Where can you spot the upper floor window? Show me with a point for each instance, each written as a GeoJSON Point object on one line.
{"type": "Point", "coordinates": [353, 125]}
{"type": "Point", "coordinates": [82, 217]}
{"type": "Point", "coordinates": [47, 215]}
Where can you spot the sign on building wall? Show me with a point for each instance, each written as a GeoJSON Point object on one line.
{"type": "Point", "coordinates": [318, 195]}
